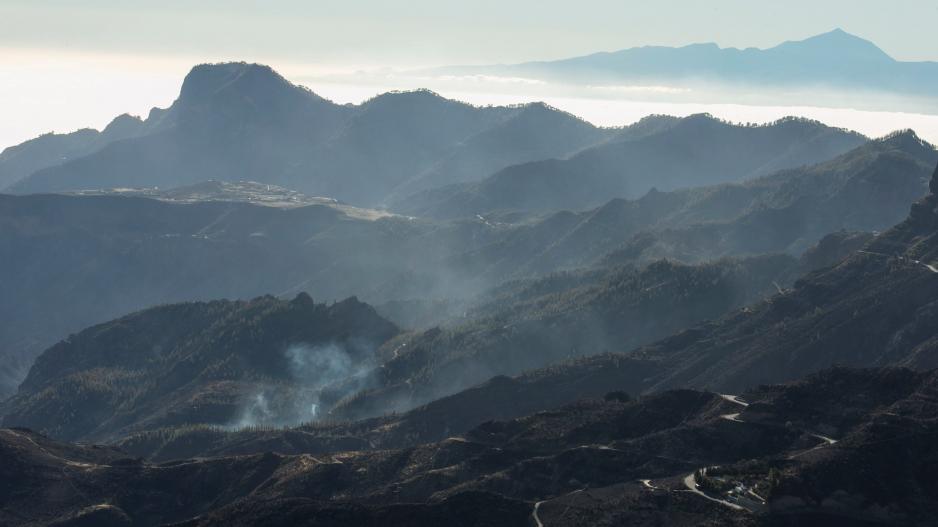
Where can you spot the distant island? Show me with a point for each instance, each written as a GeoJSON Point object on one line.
{"type": "Point", "coordinates": [852, 71]}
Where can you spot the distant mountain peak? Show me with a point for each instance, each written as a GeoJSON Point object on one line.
{"type": "Point", "coordinates": [538, 106]}
{"type": "Point", "coordinates": [400, 102]}
{"type": "Point", "coordinates": [703, 116]}
{"type": "Point", "coordinates": [420, 94]}
{"type": "Point", "coordinates": [699, 119]}
{"type": "Point", "coordinates": [836, 42]}
{"type": "Point", "coordinates": [205, 81]}
{"type": "Point", "coordinates": [540, 109]}
{"type": "Point", "coordinates": [702, 46]}
{"type": "Point", "coordinates": [123, 125]}
{"type": "Point", "coordinates": [906, 139]}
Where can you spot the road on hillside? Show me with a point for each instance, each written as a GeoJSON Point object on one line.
{"type": "Point", "coordinates": [537, 508]}
{"type": "Point", "coordinates": [930, 267]}
{"type": "Point", "coordinates": [691, 483]}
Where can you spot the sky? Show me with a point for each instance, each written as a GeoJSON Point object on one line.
{"type": "Point", "coordinates": [67, 64]}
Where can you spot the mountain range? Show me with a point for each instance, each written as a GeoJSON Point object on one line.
{"type": "Point", "coordinates": [115, 252]}
{"type": "Point", "coordinates": [20, 161]}
{"type": "Point", "coordinates": [870, 310]}
{"type": "Point", "coordinates": [240, 121]}
{"type": "Point", "coordinates": [853, 71]}
{"type": "Point", "coordinates": [867, 189]}
{"type": "Point", "coordinates": [774, 455]}
{"type": "Point", "coordinates": [553, 319]}
{"type": "Point", "coordinates": [261, 307]}
{"type": "Point", "coordinates": [692, 152]}
{"type": "Point", "coordinates": [411, 151]}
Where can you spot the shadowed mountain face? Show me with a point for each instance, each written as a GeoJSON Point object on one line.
{"type": "Point", "coordinates": [559, 316]}
{"type": "Point", "coordinates": [530, 133]}
{"type": "Point", "coordinates": [499, 398]}
{"type": "Point", "coordinates": [117, 253]}
{"type": "Point", "coordinates": [789, 453]}
{"type": "Point", "coordinates": [230, 120]}
{"type": "Point", "coordinates": [240, 121]}
{"type": "Point", "coordinates": [268, 362]}
{"type": "Point", "coordinates": [869, 188]}
{"type": "Point", "coordinates": [113, 255]}
{"type": "Point", "coordinates": [874, 308]}
{"type": "Point", "coordinates": [20, 161]}
{"type": "Point", "coordinates": [555, 319]}
{"type": "Point", "coordinates": [837, 61]}
{"type": "Point", "coordinates": [532, 323]}
{"type": "Point", "coordinates": [262, 362]}
{"type": "Point", "coordinates": [696, 151]}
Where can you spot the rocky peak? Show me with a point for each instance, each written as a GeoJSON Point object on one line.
{"type": "Point", "coordinates": [205, 80]}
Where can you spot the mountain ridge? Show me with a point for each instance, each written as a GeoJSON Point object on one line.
{"type": "Point", "coordinates": [264, 361]}
{"type": "Point", "coordinates": [836, 60]}
{"type": "Point", "coordinates": [116, 248]}
{"type": "Point", "coordinates": [672, 158]}
{"type": "Point", "coordinates": [681, 457]}
{"type": "Point", "coordinates": [240, 121]}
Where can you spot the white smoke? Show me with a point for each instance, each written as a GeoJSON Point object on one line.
{"type": "Point", "coordinates": [319, 365]}
{"type": "Point", "coordinates": [312, 368]}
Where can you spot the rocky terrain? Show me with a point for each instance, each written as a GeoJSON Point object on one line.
{"type": "Point", "coordinates": [676, 458]}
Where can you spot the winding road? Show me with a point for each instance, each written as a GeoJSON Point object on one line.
{"type": "Point", "coordinates": [42, 449]}
{"type": "Point", "coordinates": [930, 267]}
{"type": "Point", "coordinates": [537, 520]}
{"type": "Point", "coordinates": [537, 507]}
{"type": "Point", "coordinates": [690, 481]}
{"type": "Point", "coordinates": [735, 400]}
{"type": "Point", "coordinates": [826, 439]}
{"type": "Point", "coordinates": [827, 442]}
{"type": "Point", "coordinates": [732, 417]}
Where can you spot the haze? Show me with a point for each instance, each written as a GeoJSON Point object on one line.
{"type": "Point", "coordinates": [65, 67]}
{"type": "Point", "coordinates": [475, 264]}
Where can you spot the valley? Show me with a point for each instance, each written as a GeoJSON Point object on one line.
{"type": "Point", "coordinates": [258, 306]}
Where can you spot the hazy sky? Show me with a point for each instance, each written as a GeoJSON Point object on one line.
{"type": "Point", "coordinates": [66, 64]}
{"type": "Point", "coordinates": [417, 32]}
